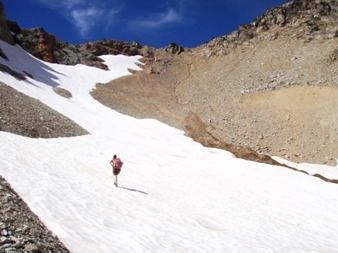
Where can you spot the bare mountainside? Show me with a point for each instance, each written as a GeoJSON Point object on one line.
{"type": "Point", "coordinates": [270, 86]}
{"type": "Point", "coordinates": [275, 91]}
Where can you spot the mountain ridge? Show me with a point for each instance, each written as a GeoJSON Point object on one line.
{"type": "Point", "coordinates": [172, 94]}
{"type": "Point", "coordinates": [293, 45]}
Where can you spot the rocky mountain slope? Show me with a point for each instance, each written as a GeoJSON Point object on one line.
{"type": "Point", "coordinates": [271, 85]}
{"type": "Point", "coordinates": [268, 88]}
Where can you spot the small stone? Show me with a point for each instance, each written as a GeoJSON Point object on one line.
{"type": "Point", "coordinates": [31, 248]}
{"type": "Point", "coordinates": [11, 250]}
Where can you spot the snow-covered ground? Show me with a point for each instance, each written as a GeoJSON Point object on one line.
{"type": "Point", "coordinates": [174, 194]}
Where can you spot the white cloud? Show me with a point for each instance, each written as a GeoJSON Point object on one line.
{"type": "Point", "coordinates": [71, 3]}
{"type": "Point", "coordinates": [62, 4]}
{"type": "Point", "coordinates": [85, 19]}
{"type": "Point", "coordinates": [84, 14]}
{"type": "Point", "coordinates": [159, 20]}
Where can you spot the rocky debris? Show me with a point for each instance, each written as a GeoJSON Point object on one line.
{"type": "Point", "coordinates": [5, 33]}
{"type": "Point", "coordinates": [22, 115]}
{"type": "Point", "coordinates": [307, 19]}
{"type": "Point", "coordinates": [198, 131]}
{"type": "Point", "coordinates": [201, 132]}
{"type": "Point", "coordinates": [21, 231]}
{"type": "Point", "coordinates": [245, 95]}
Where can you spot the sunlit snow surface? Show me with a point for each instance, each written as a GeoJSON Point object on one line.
{"type": "Point", "coordinates": [174, 194]}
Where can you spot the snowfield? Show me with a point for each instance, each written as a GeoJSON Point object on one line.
{"type": "Point", "coordinates": [174, 194]}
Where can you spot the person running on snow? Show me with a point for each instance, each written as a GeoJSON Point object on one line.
{"type": "Point", "coordinates": [116, 163]}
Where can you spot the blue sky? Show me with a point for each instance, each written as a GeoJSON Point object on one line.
{"type": "Point", "coordinates": [188, 23]}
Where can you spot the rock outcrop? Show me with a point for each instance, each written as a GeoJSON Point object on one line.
{"type": "Point", "coordinates": [5, 33]}
{"type": "Point", "coordinates": [40, 43]}
{"type": "Point", "coordinates": [173, 48]}
{"type": "Point", "coordinates": [46, 47]}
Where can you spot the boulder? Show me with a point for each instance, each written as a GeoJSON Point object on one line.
{"type": "Point", "coordinates": [173, 48]}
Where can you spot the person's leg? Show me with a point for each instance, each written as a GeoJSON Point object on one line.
{"type": "Point", "coordinates": [116, 172]}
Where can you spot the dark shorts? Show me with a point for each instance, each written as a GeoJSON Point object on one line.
{"type": "Point", "coordinates": [116, 171]}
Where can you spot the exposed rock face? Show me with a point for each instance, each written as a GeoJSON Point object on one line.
{"type": "Point", "coordinates": [40, 44]}
{"type": "Point", "coordinates": [88, 53]}
{"type": "Point", "coordinates": [5, 33]}
{"type": "Point", "coordinates": [46, 47]}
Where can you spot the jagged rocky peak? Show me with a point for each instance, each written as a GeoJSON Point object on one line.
{"type": "Point", "coordinates": [47, 47]}
{"type": "Point", "coordinates": [307, 19]}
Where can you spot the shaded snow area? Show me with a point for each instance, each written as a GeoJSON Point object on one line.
{"type": "Point", "coordinates": [174, 195]}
